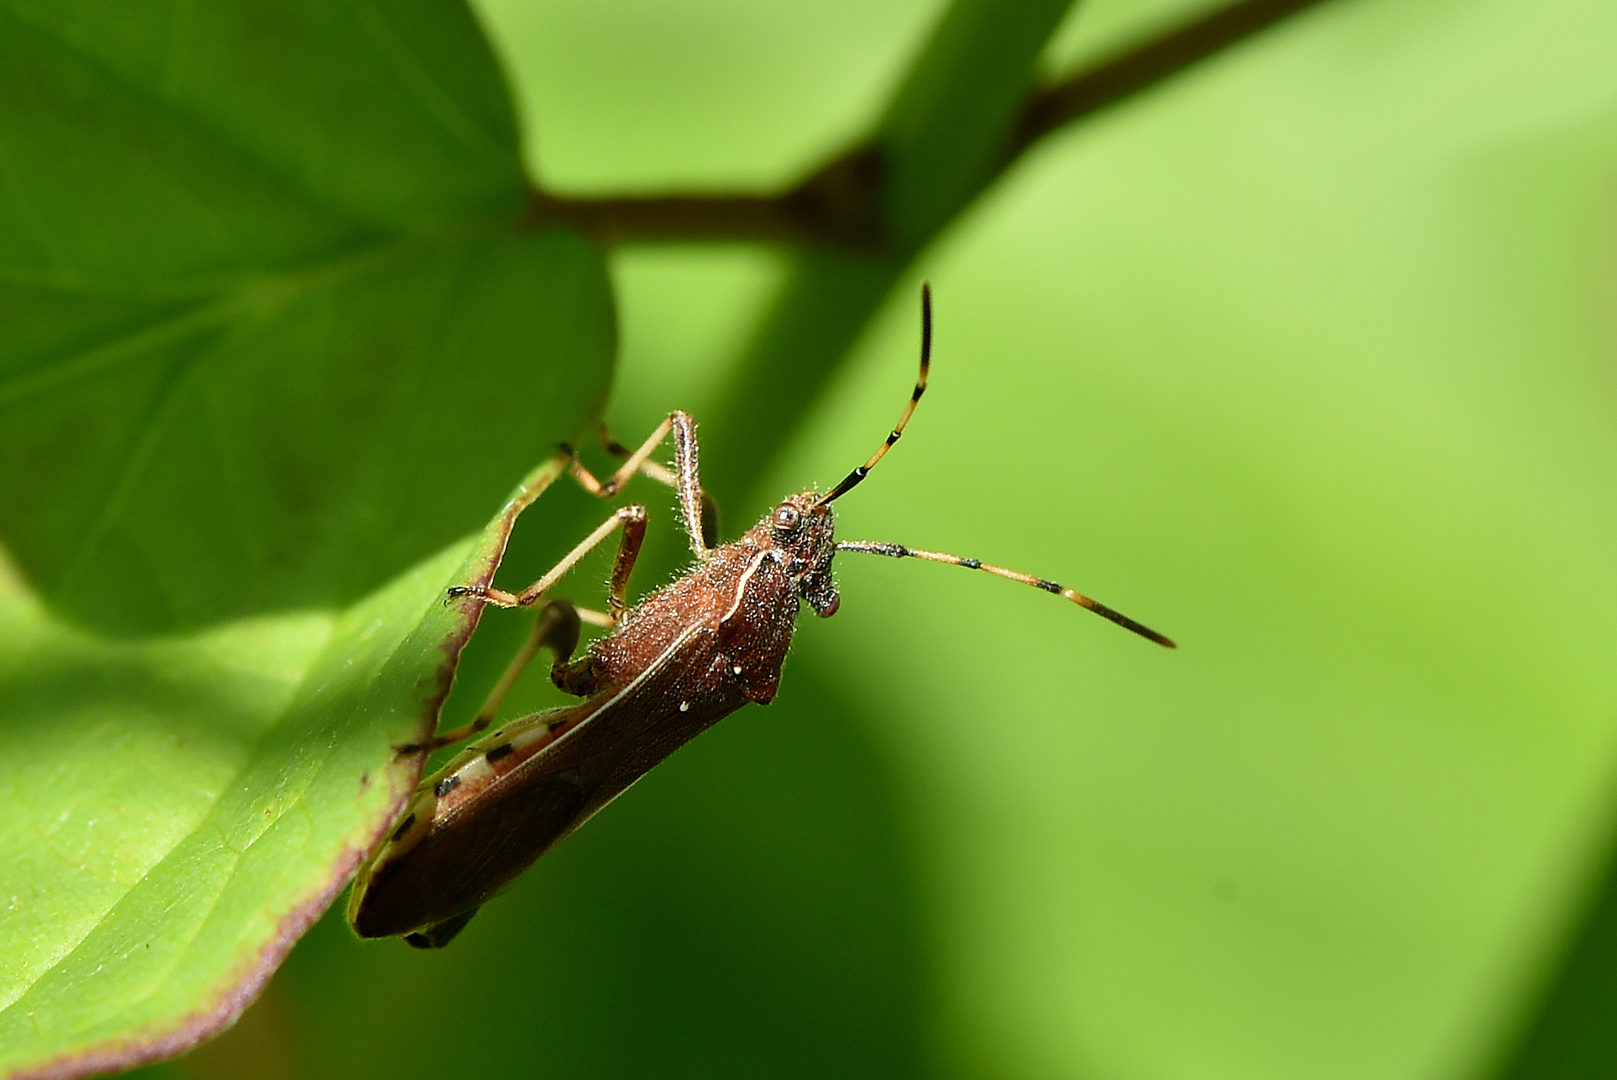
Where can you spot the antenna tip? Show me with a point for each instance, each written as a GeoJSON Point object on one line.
{"type": "Point", "coordinates": [1146, 632]}
{"type": "Point", "coordinates": [1117, 617]}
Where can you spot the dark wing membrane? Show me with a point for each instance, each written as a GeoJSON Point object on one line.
{"type": "Point", "coordinates": [673, 701]}
{"type": "Point", "coordinates": [461, 864]}
{"type": "Point", "coordinates": [480, 846]}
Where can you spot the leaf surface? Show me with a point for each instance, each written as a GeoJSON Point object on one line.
{"type": "Point", "coordinates": [180, 810]}
{"type": "Point", "coordinates": [276, 332]}
{"type": "Point", "coordinates": [273, 325]}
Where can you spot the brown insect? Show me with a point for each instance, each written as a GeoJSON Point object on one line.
{"type": "Point", "coordinates": [689, 655]}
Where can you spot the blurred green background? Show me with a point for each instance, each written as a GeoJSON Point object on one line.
{"type": "Point", "coordinates": [1305, 359]}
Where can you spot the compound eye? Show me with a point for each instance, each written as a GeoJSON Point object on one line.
{"type": "Point", "coordinates": [786, 516]}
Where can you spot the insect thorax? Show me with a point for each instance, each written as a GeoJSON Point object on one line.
{"type": "Point", "coordinates": [747, 592]}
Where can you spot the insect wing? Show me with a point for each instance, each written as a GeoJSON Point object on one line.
{"type": "Point", "coordinates": [632, 731]}
{"type": "Point", "coordinates": [457, 868]}
{"type": "Point", "coordinates": [501, 805]}
{"type": "Point", "coordinates": [470, 829]}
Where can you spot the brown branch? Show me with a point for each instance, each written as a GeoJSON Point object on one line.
{"type": "Point", "coordinates": [840, 204]}
{"type": "Point", "coordinates": [1144, 66]}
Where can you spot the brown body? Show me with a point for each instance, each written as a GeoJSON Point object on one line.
{"type": "Point", "coordinates": [688, 656]}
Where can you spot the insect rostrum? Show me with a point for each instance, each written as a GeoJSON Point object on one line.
{"type": "Point", "coordinates": [688, 655]}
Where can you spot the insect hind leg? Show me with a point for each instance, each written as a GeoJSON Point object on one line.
{"type": "Point", "coordinates": [556, 629]}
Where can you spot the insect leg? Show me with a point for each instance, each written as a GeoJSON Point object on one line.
{"type": "Point", "coordinates": [655, 470]}
{"type": "Point", "coordinates": [692, 499]}
{"type": "Point", "coordinates": [634, 533]}
{"type": "Point", "coordinates": [438, 935]}
{"type": "Point", "coordinates": [696, 508]}
{"type": "Point", "coordinates": [633, 461]}
{"type": "Point", "coordinates": [556, 630]}
{"type": "Point", "coordinates": [710, 509]}
{"type": "Point", "coordinates": [579, 677]}
{"type": "Point", "coordinates": [632, 519]}
{"type": "Point", "coordinates": [558, 625]}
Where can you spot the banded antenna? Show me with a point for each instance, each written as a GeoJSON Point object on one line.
{"type": "Point", "coordinates": [898, 551]}
{"type": "Point", "coordinates": [853, 479]}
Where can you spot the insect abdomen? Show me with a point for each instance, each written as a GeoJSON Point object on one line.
{"type": "Point", "coordinates": [460, 865]}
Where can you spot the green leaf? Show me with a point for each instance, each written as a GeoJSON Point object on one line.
{"type": "Point", "coordinates": [272, 324]}
{"type": "Point", "coordinates": [180, 810]}
{"type": "Point", "coordinates": [274, 329]}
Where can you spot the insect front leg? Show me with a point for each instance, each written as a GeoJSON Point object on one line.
{"type": "Point", "coordinates": [689, 482]}
{"type": "Point", "coordinates": [709, 512]}
{"type": "Point", "coordinates": [633, 461]}
{"type": "Point", "coordinates": [696, 507]}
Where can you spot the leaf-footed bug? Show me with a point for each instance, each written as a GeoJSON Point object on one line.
{"type": "Point", "coordinates": [688, 655]}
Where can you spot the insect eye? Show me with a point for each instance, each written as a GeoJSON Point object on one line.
{"type": "Point", "coordinates": [786, 516]}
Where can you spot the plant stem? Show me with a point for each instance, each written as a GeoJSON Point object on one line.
{"type": "Point", "coordinates": [840, 205]}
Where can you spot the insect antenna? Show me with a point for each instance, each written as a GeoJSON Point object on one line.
{"type": "Point", "coordinates": [898, 551]}
{"type": "Point", "coordinates": [852, 480]}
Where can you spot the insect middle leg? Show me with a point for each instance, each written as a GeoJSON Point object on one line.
{"type": "Point", "coordinates": [632, 519]}
{"type": "Point", "coordinates": [557, 628]}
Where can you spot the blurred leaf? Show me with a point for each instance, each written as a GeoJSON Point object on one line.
{"type": "Point", "coordinates": [271, 325]}
{"type": "Point", "coordinates": [273, 329]}
{"type": "Point", "coordinates": [180, 810]}
{"type": "Point", "coordinates": [944, 130]}
{"type": "Point", "coordinates": [1570, 1032]}
{"type": "Point", "coordinates": [938, 139]}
